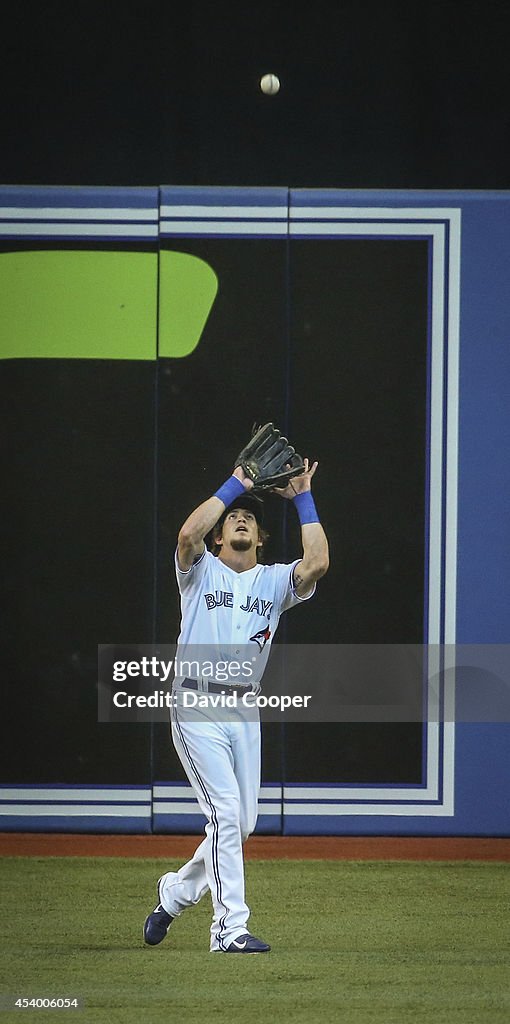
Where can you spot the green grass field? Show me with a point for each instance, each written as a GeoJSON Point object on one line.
{"type": "Point", "coordinates": [396, 943]}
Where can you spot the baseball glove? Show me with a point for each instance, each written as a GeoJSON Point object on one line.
{"type": "Point", "coordinates": [268, 459]}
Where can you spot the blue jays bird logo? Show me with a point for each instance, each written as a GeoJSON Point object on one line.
{"type": "Point", "coordinates": [261, 637]}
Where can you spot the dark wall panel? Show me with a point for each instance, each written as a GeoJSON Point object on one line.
{"type": "Point", "coordinates": [208, 403]}
{"type": "Point", "coordinates": [77, 566]}
{"type": "Point", "coordinates": [358, 403]}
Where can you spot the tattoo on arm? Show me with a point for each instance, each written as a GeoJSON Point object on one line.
{"type": "Point", "coordinates": [298, 580]}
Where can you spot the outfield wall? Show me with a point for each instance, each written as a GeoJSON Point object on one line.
{"type": "Point", "coordinates": [143, 331]}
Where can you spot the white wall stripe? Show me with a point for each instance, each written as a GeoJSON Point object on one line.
{"type": "Point", "coordinates": [449, 762]}
{"type": "Point", "coordinates": [224, 212]}
{"type": "Point", "coordinates": [436, 442]}
{"type": "Point", "coordinates": [360, 213]}
{"type": "Point", "coordinates": [361, 228]}
{"type": "Point", "coordinates": [69, 793]}
{"type": "Point", "coordinates": [78, 213]}
{"type": "Point", "coordinates": [78, 230]}
{"type": "Point", "coordinates": [382, 810]}
{"type": "Point", "coordinates": [178, 227]}
{"type": "Point", "coordinates": [183, 792]}
{"type": "Point", "coordinates": [167, 807]}
{"type": "Point", "coordinates": [339, 793]}
{"type": "Point", "coordinates": [75, 811]}
{"type": "Point", "coordinates": [433, 766]}
{"type": "Point", "coordinates": [174, 807]}
{"type": "Point", "coordinates": [452, 440]}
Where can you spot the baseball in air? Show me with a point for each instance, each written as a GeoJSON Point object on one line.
{"type": "Point", "coordinates": [270, 84]}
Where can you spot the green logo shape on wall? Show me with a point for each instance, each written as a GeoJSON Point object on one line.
{"type": "Point", "coordinates": [82, 304]}
{"type": "Point", "coordinates": [187, 290]}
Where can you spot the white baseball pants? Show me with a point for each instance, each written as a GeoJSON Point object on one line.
{"type": "Point", "coordinates": [222, 762]}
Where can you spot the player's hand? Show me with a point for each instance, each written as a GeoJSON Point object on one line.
{"type": "Point", "coordinates": [241, 475]}
{"type": "Point", "coordinates": [298, 484]}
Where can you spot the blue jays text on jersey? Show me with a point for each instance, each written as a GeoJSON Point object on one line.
{"type": "Point", "coordinates": [226, 598]}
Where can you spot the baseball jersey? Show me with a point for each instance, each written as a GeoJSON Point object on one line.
{"type": "Point", "coordinates": [233, 614]}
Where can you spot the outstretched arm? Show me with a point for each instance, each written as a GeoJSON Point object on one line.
{"type": "Point", "coordinates": [315, 560]}
{"type": "Point", "coordinates": [190, 542]}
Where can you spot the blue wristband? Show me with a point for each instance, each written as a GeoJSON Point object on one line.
{"type": "Point", "coordinates": [230, 490]}
{"type": "Point", "coordinates": [305, 507]}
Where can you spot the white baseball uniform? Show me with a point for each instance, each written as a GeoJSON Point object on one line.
{"type": "Point", "coordinates": [221, 753]}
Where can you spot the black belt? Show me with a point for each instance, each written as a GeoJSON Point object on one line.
{"type": "Point", "coordinates": [192, 684]}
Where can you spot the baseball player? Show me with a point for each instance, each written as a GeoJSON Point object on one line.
{"type": "Point", "coordinates": [229, 597]}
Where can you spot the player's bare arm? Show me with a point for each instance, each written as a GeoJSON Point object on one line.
{"type": "Point", "coordinates": [315, 561]}
{"type": "Point", "coordinates": [190, 542]}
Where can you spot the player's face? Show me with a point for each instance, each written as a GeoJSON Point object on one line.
{"type": "Point", "coordinates": [240, 530]}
